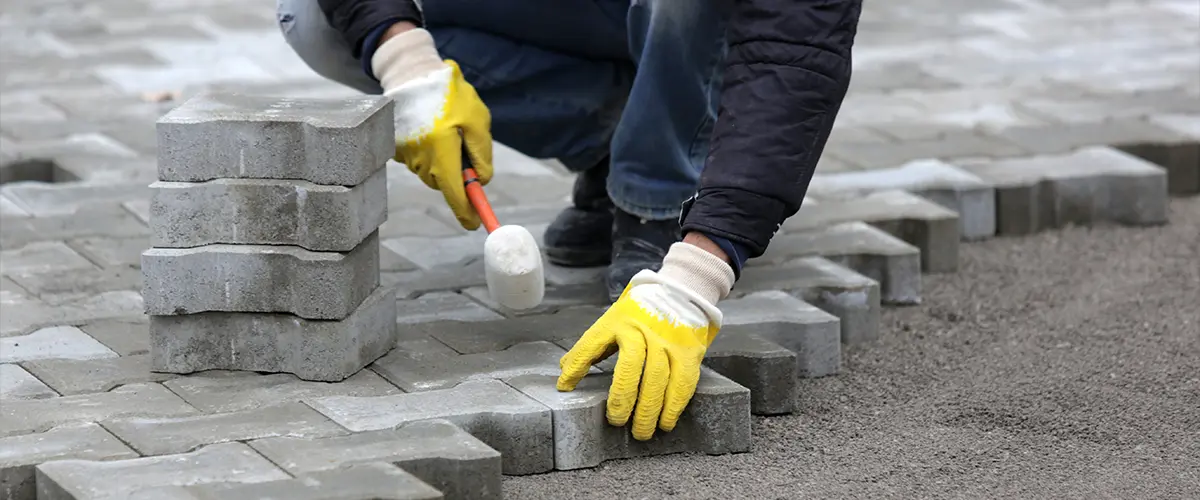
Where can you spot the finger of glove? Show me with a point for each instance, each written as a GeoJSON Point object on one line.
{"type": "Point", "coordinates": [406, 154]}
{"type": "Point", "coordinates": [478, 139]}
{"type": "Point", "coordinates": [447, 173]}
{"type": "Point", "coordinates": [627, 376]}
{"type": "Point", "coordinates": [595, 345]}
{"type": "Point", "coordinates": [650, 399]}
{"type": "Point", "coordinates": [681, 386]}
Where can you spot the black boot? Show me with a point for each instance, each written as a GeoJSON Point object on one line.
{"type": "Point", "coordinates": [638, 244]}
{"type": "Point", "coordinates": [581, 235]}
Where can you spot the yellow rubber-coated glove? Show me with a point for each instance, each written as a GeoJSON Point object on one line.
{"type": "Point", "coordinates": [661, 325]}
{"type": "Point", "coordinates": [437, 113]}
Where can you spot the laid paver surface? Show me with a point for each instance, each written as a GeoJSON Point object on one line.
{"type": "Point", "coordinates": [991, 291]}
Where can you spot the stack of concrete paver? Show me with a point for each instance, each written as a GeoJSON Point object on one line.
{"type": "Point", "coordinates": [265, 231]}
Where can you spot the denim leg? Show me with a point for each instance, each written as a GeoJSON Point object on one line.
{"type": "Point", "coordinates": [320, 46]}
{"type": "Point", "coordinates": [661, 142]}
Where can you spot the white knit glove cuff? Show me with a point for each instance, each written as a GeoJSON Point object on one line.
{"type": "Point", "coordinates": [699, 271]}
{"type": "Point", "coordinates": [405, 57]}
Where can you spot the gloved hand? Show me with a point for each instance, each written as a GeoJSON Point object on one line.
{"type": "Point", "coordinates": [662, 325]}
{"type": "Point", "coordinates": [437, 111]}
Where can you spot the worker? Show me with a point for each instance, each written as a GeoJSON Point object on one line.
{"type": "Point", "coordinates": [694, 127]}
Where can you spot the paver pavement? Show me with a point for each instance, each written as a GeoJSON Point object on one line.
{"type": "Point", "coordinates": [966, 121]}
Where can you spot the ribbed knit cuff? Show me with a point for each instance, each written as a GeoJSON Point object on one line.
{"type": "Point", "coordinates": [405, 57]}
{"type": "Point", "coordinates": [702, 272]}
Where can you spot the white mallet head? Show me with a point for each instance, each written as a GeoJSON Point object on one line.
{"type": "Point", "coordinates": [512, 265]}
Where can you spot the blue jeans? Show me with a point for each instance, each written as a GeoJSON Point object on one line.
{"type": "Point", "coordinates": [634, 81]}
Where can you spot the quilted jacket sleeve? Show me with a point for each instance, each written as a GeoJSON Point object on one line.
{"type": "Point", "coordinates": [786, 74]}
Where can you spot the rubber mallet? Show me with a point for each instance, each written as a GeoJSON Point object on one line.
{"type": "Point", "coordinates": [512, 261]}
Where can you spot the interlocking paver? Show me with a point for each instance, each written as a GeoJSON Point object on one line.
{"type": "Point", "coordinates": [149, 400]}
{"type": "Point", "coordinates": [512, 423]}
{"type": "Point", "coordinates": [767, 369]}
{"type": "Point", "coordinates": [413, 372]}
{"type": "Point", "coordinates": [70, 376]}
{"type": "Point", "coordinates": [896, 265]}
{"type": "Point", "coordinates": [436, 451]}
{"type": "Point", "coordinates": [125, 336]}
{"type": "Point", "coordinates": [487, 336]}
{"type": "Point", "coordinates": [814, 335]}
{"type": "Point", "coordinates": [17, 383]}
{"type": "Point", "coordinates": [65, 199]}
{"type": "Point", "coordinates": [227, 391]}
{"type": "Point", "coordinates": [57, 342]}
{"type": "Point", "coordinates": [1090, 185]}
{"type": "Point", "coordinates": [98, 219]}
{"type": "Point", "coordinates": [78, 284]}
{"type": "Point", "coordinates": [26, 315]}
{"type": "Point", "coordinates": [949, 186]}
{"type": "Point", "coordinates": [41, 257]}
{"type": "Point", "coordinates": [558, 297]}
{"type": "Point", "coordinates": [716, 421]}
{"type": "Point", "coordinates": [112, 252]}
{"type": "Point", "coordinates": [223, 135]}
{"type": "Point", "coordinates": [320, 350]}
{"type": "Point", "coordinates": [850, 296]}
{"type": "Point", "coordinates": [267, 212]}
{"type": "Point", "coordinates": [434, 309]}
{"type": "Point", "coordinates": [374, 481]}
{"type": "Point", "coordinates": [20, 454]}
{"type": "Point", "coordinates": [924, 224]}
{"type": "Point", "coordinates": [120, 479]}
{"type": "Point", "coordinates": [259, 279]}
{"type": "Point", "coordinates": [167, 436]}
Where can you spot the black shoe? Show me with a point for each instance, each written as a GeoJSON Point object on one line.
{"type": "Point", "coordinates": [638, 244]}
{"type": "Point", "coordinates": [581, 235]}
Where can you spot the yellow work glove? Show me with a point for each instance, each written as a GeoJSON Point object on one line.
{"type": "Point", "coordinates": [662, 325]}
{"type": "Point", "coordinates": [437, 113]}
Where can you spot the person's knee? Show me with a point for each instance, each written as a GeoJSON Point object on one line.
{"type": "Point", "coordinates": [322, 48]}
{"type": "Point", "coordinates": [684, 16]}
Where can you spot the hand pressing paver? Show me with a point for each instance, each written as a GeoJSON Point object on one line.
{"type": "Point", "coordinates": [370, 481]}
{"type": "Point", "coordinates": [320, 350]}
{"type": "Point", "coordinates": [896, 265]}
{"type": "Point", "coordinates": [767, 369]}
{"type": "Point", "coordinates": [57, 342]}
{"type": "Point", "coordinates": [951, 187]}
{"type": "Point", "coordinates": [135, 400]}
{"type": "Point", "coordinates": [436, 451]}
{"type": "Point", "coordinates": [70, 377]}
{"type": "Point", "coordinates": [259, 279]}
{"type": "Point", "coordinates": [120, 480]}
{"type": "Point", "coordinates": [515, 425]}
{"type": "Point", "coordinates": [20, 454]}
{"type": "Point", "coordinates": [922, 223]}
{"type": "Point", "coordinates": [1090, 185]}
{"type": "Point", "coordinates": [413, 372]}
{"type": "Point", "coordinates": [16, 383]}
{"type": "Point", "coordinates": [850, 296]}
{"type": "Point", "coordinates": [267, 212]}
{"type": "Point", "coordinates": [337, 142]}
{"type": "Point", "coordinates": [223, 391]}
{"type": "Point", "coordinates": [716, 421]}
{"type": "Point", "coordinates": [814, 335]}
{"type": "Point", "coordinates": [167, 436]}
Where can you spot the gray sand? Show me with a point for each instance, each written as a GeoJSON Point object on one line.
{"type": "Point", "coordinates": [1062, 365]}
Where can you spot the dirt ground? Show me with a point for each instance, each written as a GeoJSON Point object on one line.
{"type": "Point", "coordinates": [1062, 365]}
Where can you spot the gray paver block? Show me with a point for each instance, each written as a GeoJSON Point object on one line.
{"type": "Point", "coordinates": [433, 309]}
{"type": "Point", "coordinates": [121, 479]}
{"type": "Point", "coordinates": [16, 383]}
{"type": "Point", "coordinates": [839, 291]}
{"type": "Point", "coordinates": [148, 400]}
{"type": "Point", "coordinates": [413, 372]}
{"type": "Point", "coordinates": [267, 212]}
{"type": "Point", "coordinates": [70, 377]}
{"type": "Point", "coordinates": [71, 198]}
{"type": "Point", "coordinates": [1180, 157]}
{"type": "Point", "coordinates": [814, 335]}
{"type": "Point", "coordinates": [168, 436]}
{"type": "Point", "coordinates": [488, 336]}
{"type": "Point", "coordinates": [125, 336]}
{"type": "Point", "coordinates": [338, 142]}
{"type": "Point", "coordinates": [319, 350]}
{"type": "Point", "coordinates": [112, 252]}
{"type": "Point", "coordinates": [20, 454]}
{"type": "Point", "coordinates": [224, 391]}
{"type": "Point", "coordinates": [259, 279]}
{"type": "Point", "coordinates": [432, 253]}
{"type": "Point", "coordinates": [436, 451]}
{"type": "Point", "coordinates": [556, 298]}
{"type": "Point", "coordinates": [1094, 184]}
{"type": "Point", "coordinates": [767, 369]}
{"type": "Point", "coordinates": [368, 481]}
{"type": "Point", "coordinates": [22, 316]}
{"type": "Point", "coordinates": [40, 257]}
{"type": "Point", "coordinates": [57, 342]}
{"type": "Point", "coordinates": [515, 425]}
{"type": "Point", "coordinates": [896, 265]}
{"type": "Point", "coordinates": [924, 224]}
{"type": "Point", "coordinates": [716, 421]}
{"type": "Point", "coordinates": [99, 219]}
{"type": "Point", "coordinates": [77, 284]}
{"type": "Point", "coordinates": [947, 185]}
{"type": "Point", "coordinates": [448, 278]}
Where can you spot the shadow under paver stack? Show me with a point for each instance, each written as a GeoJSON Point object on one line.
{"type": "Point", "coordinates": [265, 231]}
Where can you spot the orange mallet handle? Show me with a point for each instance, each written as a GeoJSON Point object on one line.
{"type": "Point", "coordinates": [478, 198]}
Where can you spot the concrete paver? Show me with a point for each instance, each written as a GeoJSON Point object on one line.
{"type": "Point", "coordinates": [965, 121]}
